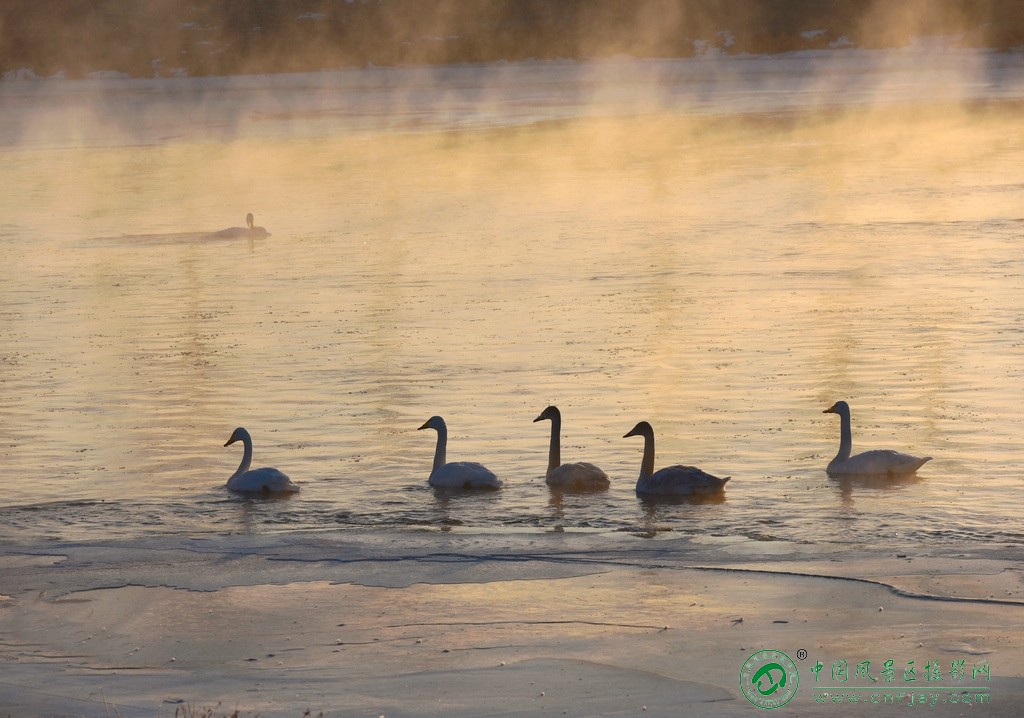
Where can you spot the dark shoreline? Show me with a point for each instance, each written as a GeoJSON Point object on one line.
{"type": "Point", "coordinates": [73, 38]}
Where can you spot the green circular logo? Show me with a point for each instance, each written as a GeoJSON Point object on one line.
{"type": "Point", "coordinates": [769, 679]}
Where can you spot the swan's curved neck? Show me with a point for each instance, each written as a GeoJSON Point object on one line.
{"type": "Point", "coordinates": [442, 446]}
{"type": "Point", "coordinates": [845, 437]}
{"type": "Point", "coordinates": [246, 457]}
{"type": "Point", "coordinates": [647, 465]}
{"type": "Point", "coordinates": [555, 451]}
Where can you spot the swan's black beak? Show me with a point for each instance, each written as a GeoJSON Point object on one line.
{"type": "Point", "coordinates": [230, 441]}
{"type": "Point", "coordinates": [426, 425]}
{"type": "Point", "coordinates": [830, 410]}
{"type": "Point", "coordinates": [637, 430]}
{"type": "Point", "coordinates": [539, 418]}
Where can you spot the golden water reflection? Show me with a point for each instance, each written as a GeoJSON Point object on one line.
{"type": "Point", "coordinates": [722, 277]}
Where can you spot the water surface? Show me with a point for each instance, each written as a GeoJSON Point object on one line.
{"type": "Point", "coordinates": [722, 247]}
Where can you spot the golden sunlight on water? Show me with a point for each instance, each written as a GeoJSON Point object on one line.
{"type": "Point", "coordinates": [724, 277]}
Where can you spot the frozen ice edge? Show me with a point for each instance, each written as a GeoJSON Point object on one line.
{"type": "Point", "coordinates": [399, 559]}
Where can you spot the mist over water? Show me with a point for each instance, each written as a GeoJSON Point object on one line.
{"type": "Point", "coordinates": [721, 246]}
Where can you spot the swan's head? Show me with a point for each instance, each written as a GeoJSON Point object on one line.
{"type": "Point", "coordinates": [238, 434]}
{"type": "Point", "coordinates": [840, 407]}
{"type": "Point", "coordinates": [249, 220]}
{"type": "Point", "coordinates": [551, 413]}
{"type": "Point", "coordinates": [434, 422]}
{"type": "Point", "coordinates": [642, 429]}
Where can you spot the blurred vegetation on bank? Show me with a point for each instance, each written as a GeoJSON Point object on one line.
{"type": "Point", "coordinates": [146, 38]}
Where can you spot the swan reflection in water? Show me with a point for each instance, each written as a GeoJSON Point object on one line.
{"type": "Point", "coordinates": [662, 513]}
{"type": "Point", "coordinates": [868, 484]}
{"type": "Point", "coordinates": [249, 230]}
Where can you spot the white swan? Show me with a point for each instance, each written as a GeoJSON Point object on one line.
{"type": "Point", "coordinates": [249, 230]}
{"type": "Point", "coordinates": [456, 474]}
{"type": "Point", "coordinates": [881, 462]}
{"type": "Point", "coordinates": [672, 480]}
{"type": "Point", "coordinates": [568, 477]}
{"type": "Point", "coordinates": [263, 481]}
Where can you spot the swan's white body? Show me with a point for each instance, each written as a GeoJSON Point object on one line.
{"type": "Point", "coordinates": [880, 462]}
{"type": "Point", "coordinates": [256, 481]}
{"type": "Point", "coordinates": [581, 476]}
{"type": "Point", "coordinates": [249, 230]}
{"type": "Point", "coordinates": [672, 480]}
{"type": "Point", "coordinates": [456, 474]}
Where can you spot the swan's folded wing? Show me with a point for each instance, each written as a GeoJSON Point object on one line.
{"type": "Point", "coordinates": [265, 480]}
{"type": "Point", "coordinates": [680, 480]}
{"type": "Point", "coordinates": [464, 475]}
{"type": "Point", "coordinates": [880, 462]}
{"type": "Point", "coordinates": [580, 475]}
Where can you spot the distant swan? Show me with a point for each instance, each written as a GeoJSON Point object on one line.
{"type": "Point", "coordinates": [871, 463]}
{"type": "Point", "coordinates": [457, 474]}
{"type": "Point", "coordinates": [250, 230]}
{"type": "Point", "coordinates": [672, 480]}
{"type": "Point", "coordinates": [264, 481]}
{"type": "Point", "coordinates": [569, 477]}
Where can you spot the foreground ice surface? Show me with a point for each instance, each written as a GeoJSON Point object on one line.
{"type": "Point", "coordinates": [428, 623]}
